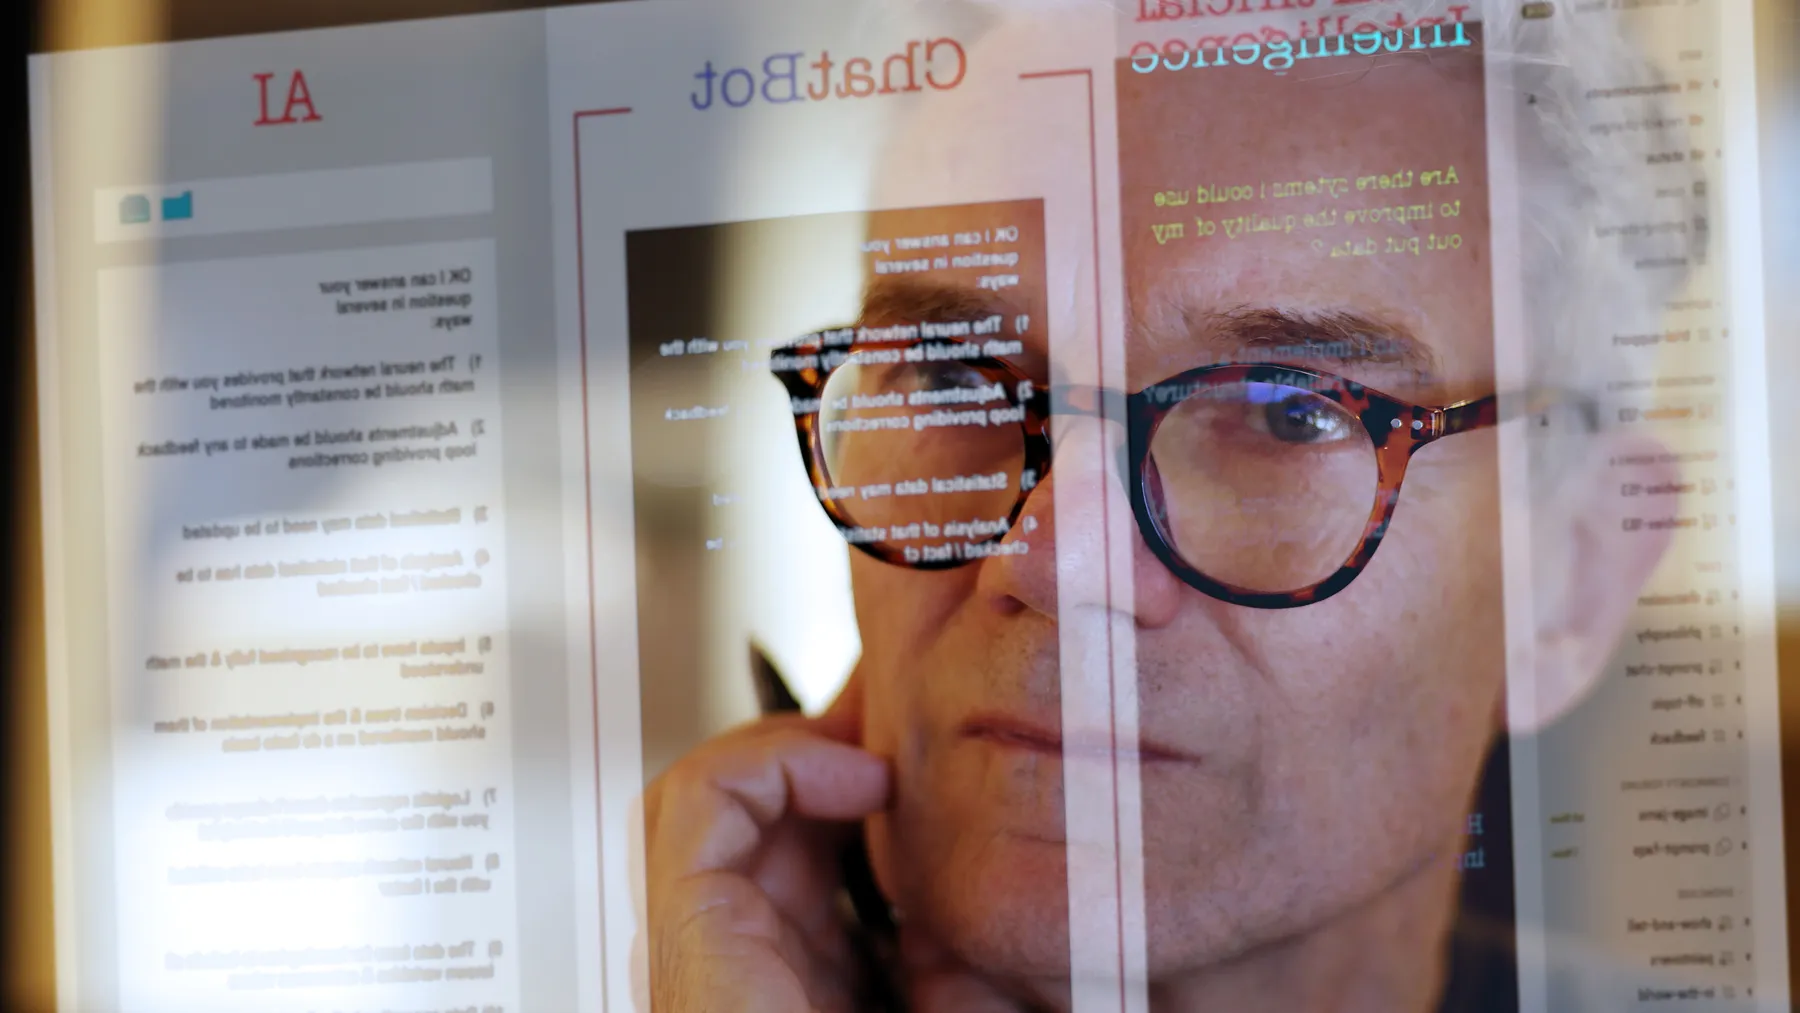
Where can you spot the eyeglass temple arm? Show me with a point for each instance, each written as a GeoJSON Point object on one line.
{"type": "Point", "coordinates": [1482, 412]}
{"type": "Point", "coordinates": [1081, 401]}
{"type": "Point", "coordinates": [1463, 416]}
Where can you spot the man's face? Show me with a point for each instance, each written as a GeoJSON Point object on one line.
{"type": "Point", "coordinates": [1294, 763]}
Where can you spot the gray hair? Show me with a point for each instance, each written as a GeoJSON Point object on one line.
{"type": "Point", "coordinates": [1605, 239]}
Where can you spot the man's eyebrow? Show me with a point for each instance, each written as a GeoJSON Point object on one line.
{"type": "Point", "coordinates": [891, 301]}
{"type": "Point", "coordinates": [1269, 334]}
{"type": "Point", "coordinates": [1337, 336]}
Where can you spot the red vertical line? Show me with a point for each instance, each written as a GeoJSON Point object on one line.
{"type": "Point", "coordinates": [587, 471]}
{"type": "Point", "coordinates": [1112, 691]}
{"type": "Point", "coordinates": [1105, 513]}
{"type": "Point", "coordinates": [587, 491]}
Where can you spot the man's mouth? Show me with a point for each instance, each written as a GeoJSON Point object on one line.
{"type": "Point", "coordinates": [1088, 744]}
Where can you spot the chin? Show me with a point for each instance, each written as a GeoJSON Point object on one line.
{"type": "Point", "coordinates": [997, 900]}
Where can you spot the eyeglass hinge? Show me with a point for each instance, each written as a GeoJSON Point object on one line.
{"type": "Point", "coordinates": [1427, 424]}
{"type": "Point", "coordinates": [1431, 425]}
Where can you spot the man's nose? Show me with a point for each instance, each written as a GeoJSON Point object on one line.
{"type": "Point", "coordinates": [1075, 523]}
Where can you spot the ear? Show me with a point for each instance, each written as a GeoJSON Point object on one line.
{"type": "Point", "coordinates": [1593, 548]}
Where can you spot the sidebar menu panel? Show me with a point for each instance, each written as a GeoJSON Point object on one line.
{"type": "Point", "coordinates": [1645, 788]}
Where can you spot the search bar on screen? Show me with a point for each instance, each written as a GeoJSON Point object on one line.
{"type": "Point", "coordinates": [294, 200]}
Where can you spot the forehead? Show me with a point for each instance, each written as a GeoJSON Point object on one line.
{"type": "Point", "coordinates": [1326, 190]}
{"type": "Point", "coordinates": [1379, 159]}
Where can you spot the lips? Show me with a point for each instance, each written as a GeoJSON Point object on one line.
{"type": "Point", "coordinates": [1009, 732]}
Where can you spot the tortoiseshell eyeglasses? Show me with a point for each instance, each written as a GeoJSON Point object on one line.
{"type": "Point", "coordinates": [1269, 486]}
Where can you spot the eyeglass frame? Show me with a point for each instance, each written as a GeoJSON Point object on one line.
{"type": "Point", "coordinates": [1382, 415]}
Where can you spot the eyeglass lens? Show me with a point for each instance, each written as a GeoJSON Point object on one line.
{"type": "Point", "coordinates": [1263, 486]}
{"type": "Point", "coordinates": [924, 456]}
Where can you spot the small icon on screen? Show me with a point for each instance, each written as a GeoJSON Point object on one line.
{"type": "Point", "coordinates": [178, 208]}
{"type": "Point", "coordinates": [134, 209]}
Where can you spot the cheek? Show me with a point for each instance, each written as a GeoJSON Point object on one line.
{"type": "Point", "coordinates": [1441, 557]}
{"type": "Point", "coordinates": [889, 714]}
{"type": "Point", "coordinates": [890, 711]}
{"type": "Point", "coordinates": [1430, 655]}
{"type": "Point", "coordinates": [1430, 636]}
{"type": "Point", "coordinates": [1400, 673]}
{"type": "Point", "coordinates": [876, 835]}
{"type": "Point", "coordinates": [899, 610]}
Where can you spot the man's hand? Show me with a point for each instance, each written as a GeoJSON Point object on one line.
{"type": "Point", "coordinates": [741, 843]}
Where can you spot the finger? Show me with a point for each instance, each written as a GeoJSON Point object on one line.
{"type": "Point", "coordinates": [799, 870]}
{"type": "Point", "coordinates": [714, 811]}
{"type": "Point", "coordinates": [721, 917]}
{"type": "Point", "coordinates": [636, 843]}
{"type": "Point", "coordinates": [716, 944]}
{"type": "Point", "coordinates": [823, 963]}
{"type": "Point", "coordinates": [640, 966]}
{"type": "Point", "coordinates": [797, 882]}
{"type": "Point", "coordinates": [733, 738]}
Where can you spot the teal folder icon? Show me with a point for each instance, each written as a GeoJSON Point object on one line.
{"type": "Point", "coordinates": [178, 208]}
{"type": "Point", "coordinates": [134, 209]}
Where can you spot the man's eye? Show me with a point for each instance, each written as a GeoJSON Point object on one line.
{"type": "Point", "coordinates": [1306, 418]}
